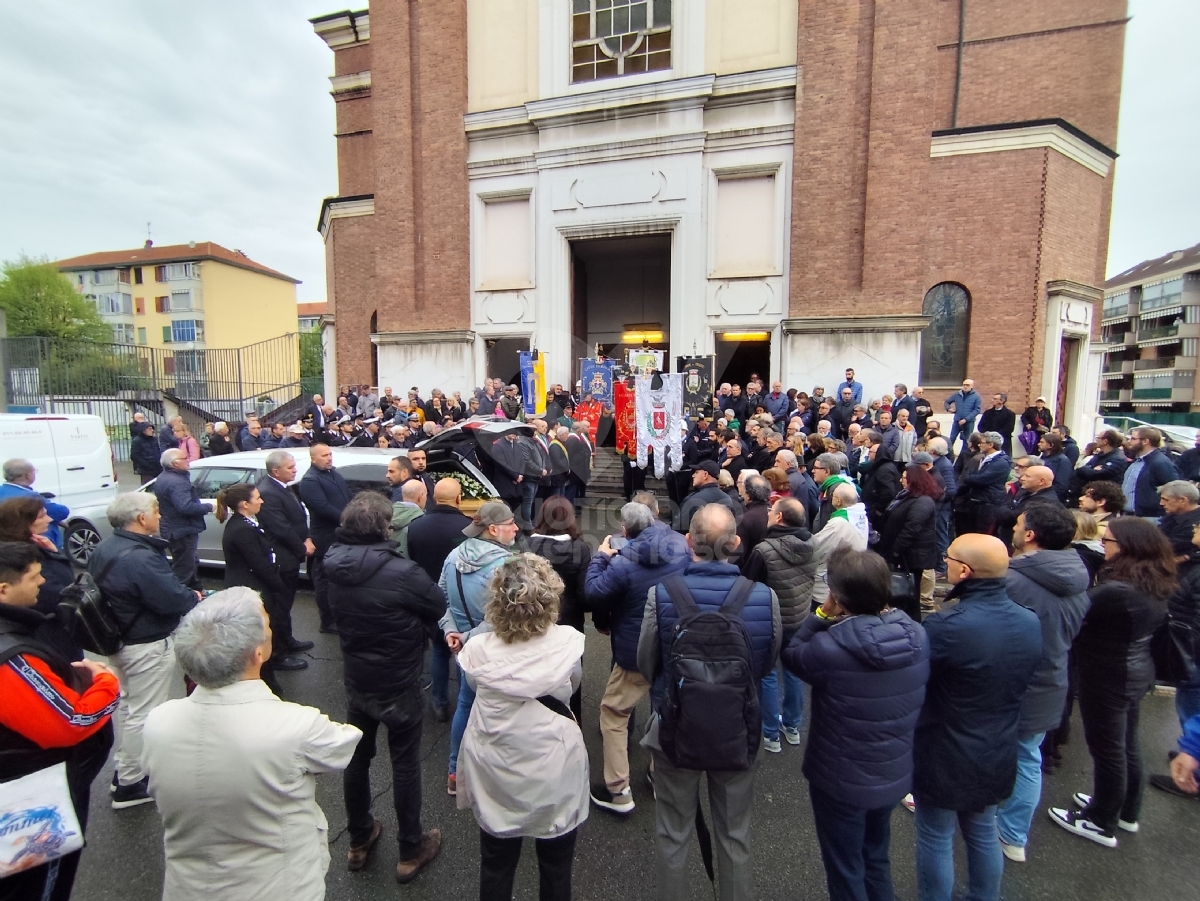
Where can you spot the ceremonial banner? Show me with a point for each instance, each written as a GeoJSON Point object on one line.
{"type": "Point", "coordinates": [644, 359]}
{"type": "Point", "coordinates": [597, 379]}
{"type": "Point", "coordinates": [623, 417]}
{"type": "Point", "coordinates": [533, 383]}
{"type": "Point", "coordinates": [659, 411]}
{"type": "Point", "coordinates": [698, 374]}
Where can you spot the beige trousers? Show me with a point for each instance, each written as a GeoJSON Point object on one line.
{"type": "Point", "coordinates": [624, 690]}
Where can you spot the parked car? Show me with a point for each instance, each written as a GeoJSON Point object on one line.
{"type": "Point", "coordinates": [463, 449]}
{"type": "Point", "coordinates": [1177, 438]}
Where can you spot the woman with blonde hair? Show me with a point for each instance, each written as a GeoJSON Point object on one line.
{"type": "Point", "coordinates": [523, 767]}
{"type": "Point", "coordinates": [185, 442]}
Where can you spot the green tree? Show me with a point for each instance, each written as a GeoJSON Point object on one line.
{"type": "Point", "coordinates": [40, 300]}
{"type": "Point", "coordinates": [312, 359]}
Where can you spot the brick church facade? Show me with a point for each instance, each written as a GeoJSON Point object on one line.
{"type": "Point", "coordinates": [919, 189]}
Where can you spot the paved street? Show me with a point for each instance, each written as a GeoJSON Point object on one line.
{"type": "Point", "coordinates": [615, 859]}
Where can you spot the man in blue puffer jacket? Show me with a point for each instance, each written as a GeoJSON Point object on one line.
{"type": "Point", "coordinates": [616, 587]}
{"type": "Point", "coordinates": [867, 667]}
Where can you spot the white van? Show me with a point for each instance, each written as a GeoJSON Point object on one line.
{"type": "Point", "coordinates": [71, 454]}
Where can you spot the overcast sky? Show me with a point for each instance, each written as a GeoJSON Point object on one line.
{"type": "Point", "coordinates": [212, 121]}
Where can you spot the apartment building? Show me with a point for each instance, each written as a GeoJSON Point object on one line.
{"type": "Point", "coordinates": [186, 296]}
{"type": "Point", "coordinates": [1150, 326]}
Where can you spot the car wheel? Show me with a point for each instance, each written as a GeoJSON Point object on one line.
{"type": "Point", "coordinates": [79, 542]}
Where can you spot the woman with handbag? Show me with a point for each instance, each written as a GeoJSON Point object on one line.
{"type": "Point", "coordinates": [908, 538]}
{"type": "Point", "coordinates": [1112, 652]}
{"type": "Point", "coordinates": [249, 556]}
{"type": "Point", "coordinates": [523, 767]}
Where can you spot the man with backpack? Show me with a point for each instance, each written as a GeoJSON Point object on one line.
{"type": "Point", "coordinates": [708, 637]}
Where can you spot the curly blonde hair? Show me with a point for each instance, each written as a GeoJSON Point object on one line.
{"type": "Point", "coordinates": [523, 598]}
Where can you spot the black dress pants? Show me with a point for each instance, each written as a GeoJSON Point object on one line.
{"type": "Point", "coordinates": [320, 581]}
{"type": "Point", "coordinates": [498, 859]}
{"type": "Point", "coordinates": [402, 717]}
{"type": "Point", "coordinates": [281, 612]}
{"type": "Point", "coordinates": [1110, 726]}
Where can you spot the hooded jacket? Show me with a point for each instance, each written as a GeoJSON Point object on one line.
{"type": "Point", "coordinates": [709, 494]}
{"type": "Point", "coordinates": [1053, 584]}
{"type": "Point", "coordinates": [384, 606]}
{"type": "Point", "coordinates": [880, 481]}
{"type": "Point", "coordinates": [868, 676]}
{"type": "Point", "coordinates": [522, 768]}
{"type": "Point", "coordinates": [982, 653]}
{"type": "Point", "coordinates": [846, 528]}
{"type": "Point", "coordinates": [470, 564]}
{"type": "Point", "coordinates": [617, 586]}
{"type": "Point", "coordinates": [144, 454]}
{"type": "Point", "coordinates": [825, 507]}
{"type": "Point", "coordinates": [785, 561]}
{"type": "Point", "coordinates": [402, 515]}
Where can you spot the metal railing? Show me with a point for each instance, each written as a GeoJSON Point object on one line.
{"type": "Point", "coordinates": [1152, 334]}
{"type": "Point", "coordinates": [1156, 363]}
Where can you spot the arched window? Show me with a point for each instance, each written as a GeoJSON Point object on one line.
{"type": "Point", "coordinates": [944, 341]}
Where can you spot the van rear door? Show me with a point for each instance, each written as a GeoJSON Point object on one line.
{"type": "Point", "coordinates": [85, 466]}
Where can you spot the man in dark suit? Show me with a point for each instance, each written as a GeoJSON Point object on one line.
{"type": "Point", "coordinates": [282, 516]}
{"type": "Point", "coordinates": [431, 538]}
{"type": "Point", "coordinates": [325, 494]}
{"type": "Point", "coordinates": [416, 457]}
{"type": "Point", "coordinates": [579, 454]}
{"type": "Point", "coordinates": [999, 418]}
{"type": "Point", "coordinates": [560, 461]}
{"type": "Point", "coordinates": [985, 485]}
{"type": "Point", "coordinates": [317, 411]}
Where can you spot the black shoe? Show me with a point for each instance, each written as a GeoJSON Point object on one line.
{"type": "Point", "coordinates": [1167, 784]}
{"type": "Point", "coordinates": [297, 646]}
{"type": "Point", "coordinates": [132, 795]}
{"type": "Point", "coordinates": [115, 783]}
{"type": "Point", "coordinates": [289, 662]}
{"type": "Point", "coordinates": [441, 713]}
{"type": "Point", "coordinates": [328, 630]}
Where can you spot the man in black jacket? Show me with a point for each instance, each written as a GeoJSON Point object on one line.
{"type": "Point", "coordinates": [982, 488]}
{"type": "Point", "coordinates": [1000, 419]}
{"type": "Point", "coordinates": [417, 458]}
{"type": "Point", "coordinates": [705, 490]}
{"type": "Point", "coordinates": [283, 519]}
{"type": "Point", "coordinates": [325, 494]}
{"type": "Point", "coordinates": [131, 569]}
{"type": "Point", "coordinates": [579, 455]}
{"type": "Point", "coordinates": [1107, 464]}
{"type": "Point", "coordinates": [431, 538]}
{"type": "Point", "coordinates": [880, 479]}
{"type": "Point", "coordinates": [385, 607]}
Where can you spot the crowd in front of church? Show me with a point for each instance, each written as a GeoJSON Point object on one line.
{"type": "Point", "coordinates": [806, 540]}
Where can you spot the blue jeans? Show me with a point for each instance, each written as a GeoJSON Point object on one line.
{"type": "Point", "coordinates": [439, 671]}
{"type": "Point", "coordinates": [529, 490]}
{"type": "Point", "coordinates": [854, 848]}
{"type": "Point", "coordinates": [964, 430]}
{"type": "Point", "coordinates": [466, 700]}
{"type": "Point", "coordinates": [1187, 699]}
{"type": "Point", "coordinates": [1014, 815]}
{"type": "Point", "coordinates": [935, 853]}
{"type": "Point", "coordinates": [768, 702]}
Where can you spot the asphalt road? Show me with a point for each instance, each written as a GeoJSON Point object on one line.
{"type": "Point", "coordinates": [615, 856]}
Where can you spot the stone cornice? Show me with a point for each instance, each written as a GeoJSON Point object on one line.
{"type": "Point", "coordinates": [343, 29]}
{"type": "Point", "coordinates": [440, 336]}
{"type": "Point", "coordinates": [1064, 287]}
{"type": "Point", "coordinates": [344, 208]}
{"type": "Point", "coordinates": [897, 323]}
{"type": "Point", "coordinates": [1055, 134]}
{"type": "Point", "coordinates": [353, 81]}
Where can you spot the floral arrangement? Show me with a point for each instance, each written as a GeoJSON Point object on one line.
{"type": "Point", "coordinates": [472, 490]}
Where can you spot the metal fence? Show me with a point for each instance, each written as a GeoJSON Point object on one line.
{"type": "Point", "coordinates": [114, 381]}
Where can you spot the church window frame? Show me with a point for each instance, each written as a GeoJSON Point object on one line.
{"type": "Point", "coordinates": [945, 342]}
{"type": "Point", "coordinates": [614, 38]}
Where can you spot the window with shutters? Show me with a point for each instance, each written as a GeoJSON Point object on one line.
{"type": "Point", "coordinates": [160, 273]}
{"type": "Point", "coordinates": [162, 305]}
{"type": "Point", "coordinates": [610, 38]}
{"type": "Point", "coordinates": [141, 333]}
{"type": "Point", "coordinates": [166, 334]}
{"type": "Point", "coordinates": [139, 306]}
{"type": "Point", "coordinates": [181, 300]}
{"type": "Point", "coordinates": [137, 275]}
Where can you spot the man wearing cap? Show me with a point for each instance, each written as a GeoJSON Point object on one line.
{"type": "Point", "coordinates": [705, 490]}
{"type": "Point", "coordinates": [370, 435]}
{"type": "Point", "coordinates": [510, 403]}
{"type": "Point", "coordinates": [465, 578]}
{"type": "Point", "coordinates": [296, 436]}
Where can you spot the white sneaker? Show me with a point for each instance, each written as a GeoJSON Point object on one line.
{"type": "Point", "coordinates": [1074, 821]}
{"type": "Point", "coordinates": [618, 803]}
{"type": "Point", "coordinates": [1083, 800]}
{"type": "Point", "coordinates": [909, 803]}
{"type": "Point", "coordinates": [791, 735]}
{"type": "Point", "coordinates": [1015, 853]}
{"type": "Point", "coordinates": [772, 745]}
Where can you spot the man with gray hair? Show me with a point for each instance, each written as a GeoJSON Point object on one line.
{"type": "Point", "coordinates": [618, 578]}
{"type": "Point", "coordinates": [847, 526]}
{"type": "Point", "coordinates": [942, 467]}
{"type": "Point", "coordinates": [1180, 501]}
{"type": "Point", "coordinates": [707, 583]}
{"type": "Point", "coordinates": [752, 528]}
{"type": "Point", "coordinates": [147, 599]}
{"type": "Point", "coordinates": [232, 767]}
{"type": "Point", "coordinates": [286, 525]}
{"type": "Point", "coordinates": [182, 514]}
{"type": "Point", "coordinates": [19, 476]}
{"type": "Point", "coordinates": [803, 488]}
{"type": "Point", "coordinates": [827, 474]}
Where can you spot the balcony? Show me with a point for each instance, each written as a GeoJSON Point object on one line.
{"type": "Point", "coordinates": [1117, 366]}
{"type": "Point", "coordinates": [1154, 363]}
{"type": "Point", "coordinates": [1152, 393]}
{"type": "Point", "coordinates": [1114, 313]}
{"type": "Point", "coordinates": [1112, 394]}
{"type": "Point", "coordinates": [1154, 334]}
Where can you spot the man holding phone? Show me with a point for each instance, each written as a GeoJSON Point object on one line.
{"type": "Point", "coordinates": [618, 579]}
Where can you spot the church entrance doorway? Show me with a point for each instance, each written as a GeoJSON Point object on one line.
{"type": "Point", "coordinates": [621, 296]}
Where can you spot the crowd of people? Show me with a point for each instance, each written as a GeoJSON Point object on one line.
{"type": "Point", "coordinates": [803, 548]}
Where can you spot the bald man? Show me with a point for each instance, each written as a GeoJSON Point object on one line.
{"type": "Point", "coordinates": [431, 538]}
{"type": "Point", "coordinates": [983, 652]}
{"type": "Point", "coordinates": [1037, 487]}
{"type": "Point", "coordinates": [406, 510]}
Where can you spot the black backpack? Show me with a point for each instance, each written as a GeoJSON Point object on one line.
{"type": "Point", "coordinates": [710, 718]}
{"type": "Point", "coordinates": [86, 615]}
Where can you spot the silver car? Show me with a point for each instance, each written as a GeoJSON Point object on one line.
{"type": "Point", "coordinates": [463, 449]}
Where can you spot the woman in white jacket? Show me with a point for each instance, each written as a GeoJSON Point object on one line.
{"type": "Point", "coordinates": [523, 767]}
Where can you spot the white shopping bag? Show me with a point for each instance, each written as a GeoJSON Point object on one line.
{"type": "Point", "coordinates": [37, 820]}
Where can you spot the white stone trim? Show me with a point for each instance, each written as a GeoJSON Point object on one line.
{"type": "Point", "coordinates": [354, 81]}
{"type": "Point", "coordinates": [346, 209]}
{"type": "Point", "coordinates": [576, 108]}
{"type": "Point", "coordinates": [1052, 136]}
{"type": "Point", "coordinates": [345, 30]}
